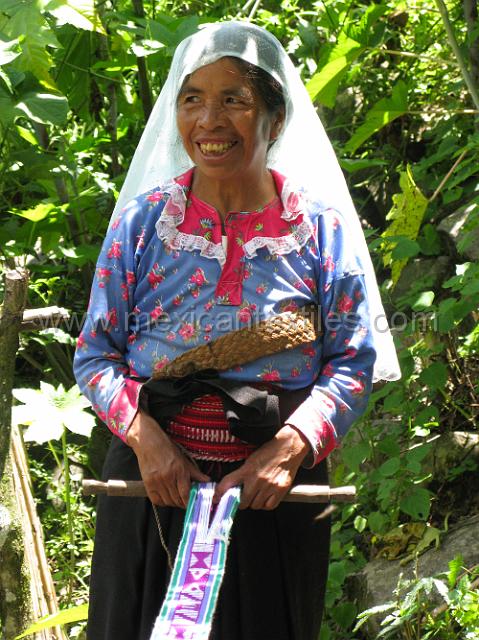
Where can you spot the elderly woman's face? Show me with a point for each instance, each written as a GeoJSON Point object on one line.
{"type": "Point", "coordinates": [223, 122]}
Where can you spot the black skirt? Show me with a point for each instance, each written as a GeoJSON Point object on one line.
{"type": "Point", "coordinates": [275, 574]}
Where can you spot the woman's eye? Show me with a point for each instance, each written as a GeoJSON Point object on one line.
{"type": "Point", "coordinates": [191, 99]}
{"type": "Point", "coordinates": [232, 100]}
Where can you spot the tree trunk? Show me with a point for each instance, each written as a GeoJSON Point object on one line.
{"type": "Point", "coordinates": [26, 586]}
{"type": "Point", "coordinates": [15, 606]}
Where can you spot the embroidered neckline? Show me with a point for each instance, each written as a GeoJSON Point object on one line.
{"type": "Point", "coordinates": [293, 204]}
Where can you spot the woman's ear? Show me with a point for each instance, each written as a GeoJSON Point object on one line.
{"type": "Point", "coordinates": [277, 125]}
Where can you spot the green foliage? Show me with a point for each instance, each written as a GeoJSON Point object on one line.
{"type": "Point", "coordinates": [391, 95]}
{"type": "Point", "coordinates": [67, 616]}
{"type": "Point", "coordinates": [411, 615]}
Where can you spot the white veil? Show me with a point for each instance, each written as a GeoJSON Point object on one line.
{"type": "Point", "coordinates": [302, 152]}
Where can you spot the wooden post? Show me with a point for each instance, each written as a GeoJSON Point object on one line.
{"type": "Point", "coordinates": [26, 586]}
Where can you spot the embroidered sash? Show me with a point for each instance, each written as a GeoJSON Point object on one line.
{"type": "Point", "coordinates": [189, 605]}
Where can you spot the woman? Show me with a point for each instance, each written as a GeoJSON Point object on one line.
{"type": "Point", "coordinates": [222, 237]}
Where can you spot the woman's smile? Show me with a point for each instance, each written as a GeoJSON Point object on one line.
{"type": "Point", "coordinates": [224, 124]}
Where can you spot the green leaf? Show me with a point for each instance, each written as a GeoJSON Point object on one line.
{"type": "Point", "coordinates": [9, 50]}
{"type": "Point", "coordinates": [390, 467]}
{"type": "Point", "coordinates": [323, 86]}
{"type": "Point", "coordinates": [360, 523]}
{"type": "Point", "coordinates": [417, 503]}
{"type": "Point", "coordinates": [29, 23]}
{"type": "Point", "coordinates": [27, 135]}
{"type": "Point", "coordinates": [6, 107]}
{"type": "Point", "coordinates": [79, 13]}
{"type": "Point", "coordinates": [67, 616]}
{"type": "Point", "coordinates": [377, 522]}
{"type": "Point", "coordinates": [44, 108]}
{"type": "Point", "coordinates": [351, 165]}
{"type": "Point", "coordinates": [344, 614]}
{"type": "Point", "coordinates": [40, 212]}
{"type": "Point", "coordinates": [354, 456]}
{"type": "Point", "coordinates": [435, 375]}
{"type": "Point", "coordinates": [381, 114]}
{"type": "Point", "coordinates": [405, 248]}
{"type": "Point", "coordinates": [423, 301]}
{"type": "Point", "coordinates": [406, 216]}
{"type": "Point", "coordinates": [48, 411]}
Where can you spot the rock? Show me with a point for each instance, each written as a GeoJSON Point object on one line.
{"type": "Point", "coordinates": [449, 450]}
{"type": "Point", "coordinates": [375, 584]}
{"type": "Point", "coordinates": [457, 225]}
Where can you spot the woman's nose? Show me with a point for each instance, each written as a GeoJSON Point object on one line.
{"type": "Point", "coordinates": [211, 116]}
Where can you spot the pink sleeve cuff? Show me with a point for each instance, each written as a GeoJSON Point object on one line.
{"type": "Point", "coordinates": [123, 408]}
{"type": "Point", "coordinates": [317, 430]}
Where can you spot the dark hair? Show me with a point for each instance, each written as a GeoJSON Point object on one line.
{"type": "Point", "coordinates": [268, 88]}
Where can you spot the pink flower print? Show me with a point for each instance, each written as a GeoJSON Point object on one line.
{"type": "Point", "coordinates": [124, 291]}
{"type": "Point", "coordinates": [270, 375]}
{"type": "Point", "coordinates": [187, 331]}
{"type": "Point", "coordinates": [298, 284]}
{"type": "Point", "coordinates": [130, 278]}
{"type": "Point", "coordinates": [336, 224]}
{"type": "Point", "coordinates": [252, 307]}
{"type": "Point", "coordinates": [132, 338]}
{"type": "Point", "coordinates": [115, 250]}
{"type": "Point", "coordinates": [358, 295]}
{"type": "Point", "coordinates": [140, 239]}
{"type": "Point", "coordinates": [309, 351]}
{"type": "Point", "coordinates": [112, 355]}
{"type": "Point", "coordinates": [244, 314]}
{"type": "Point", "coordinates": [136, 310]}
{"type": "Point", "coordinates": [171, 336]}
{"type": "Point", "coordinates": [247, 271]}
{"type": "Point", "coordinates": [160, 363]}
{"type": "Point", "coordinates": [112, 317]}
{"type": "Point", "coordinates": [260, 289]}
{"type": "Point", "coordinates": [81, 342]}
{"type": "Point", "coordinates": [347, 341]}
{"type": "Point", "coordinates": [104, 274]}
{"type": "Point", "coordinates": [95, 379]}
{"type": "Point", "coordinates": [195, 292]}
{"type": "Point", "coordinates": [350, 353]}
{"type": "Point", "coordinates": [328, 370]}
{"type": "Point", "coordinates": [308, 365]}
{"type": "Point", "coordinates": [333, 334]}
{"type": "Point", "coordinates": [356, 387]}
{"type": "Point", "coordinates": [345, 304]}
{"type": "Point", "coordinates": [207, 338]}
{"type": "Point", "coordinates": [328, 264]}
{"type": "Point", "coordinates": [208, 328]}
{"type": "Point", "coordinates": [293, 203]}
{"type": "Point", "coordinates": [93, 333]}
{"type": "Point", "coordinates": [116, 222]}
{"type": "Point", "coordinates": [295, 372]}
{"type": "Point", "coordinates": [289, 306]}
{"type": "Point", "coordinates": [208, 305]}
{"type": "Point", "coordinates": [156, 275]}
{"type": "Point", "coordinates": [157, 312]}
{"type": "Point", "coordinates": [142, 346]}
{"type": "Point", "coordinates": [157, 196]}
{"type": "Point", "coordinates": [198, 277]}
{"type": "Point", "coordinates": [177, 300]}
{"type": "Point", "coordinates": [310, 283]}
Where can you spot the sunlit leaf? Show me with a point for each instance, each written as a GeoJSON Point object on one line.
{"type": "Point", "coordinates": [9, 50]}
{"type": "Point", "coordinates": [323, 86]}
{"type": "Point", "coordinates": [40, 212]}
{"type": "Point", "coordinates": [382, 114]}
{"type": "Point", "coordinates": [406, 216]}
{"type": "Point", "coordinates": [67, 616]}
{"type": "Point", "coordinates": [79, 13]}
{"type": "Point", "coordinates": [44, 107]}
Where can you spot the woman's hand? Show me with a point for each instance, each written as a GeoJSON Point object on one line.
{"type": "Point", "coordinates": [166, 471]}
{"type": "Point", "coordinates": [268, 473]}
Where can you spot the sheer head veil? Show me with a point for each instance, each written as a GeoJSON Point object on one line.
{"type": "Point", "coordinates": [302, 152]}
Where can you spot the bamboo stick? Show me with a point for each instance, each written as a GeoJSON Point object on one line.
{"type": "Point", "coordinates": [299, 493]}
{"type": "Point", "coordinates": [42, 589]}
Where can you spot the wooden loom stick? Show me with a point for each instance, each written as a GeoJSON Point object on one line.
{"type": "Point", "coordinates": [299, 493]}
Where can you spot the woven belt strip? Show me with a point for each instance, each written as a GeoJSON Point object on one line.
{"type": "Point", "coordinates": [281, 332]}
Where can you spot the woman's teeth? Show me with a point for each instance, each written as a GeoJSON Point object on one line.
{"type": "Point", "coordinates": [210, 147]}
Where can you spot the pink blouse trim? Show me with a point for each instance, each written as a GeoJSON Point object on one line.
{"type": "Point", "coordinates": [123, 408]}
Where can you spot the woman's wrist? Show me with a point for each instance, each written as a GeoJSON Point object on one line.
{"type": "Point", "coordinates": [142, 426]}
{"type": "Point", "coordinates": [299, 445]}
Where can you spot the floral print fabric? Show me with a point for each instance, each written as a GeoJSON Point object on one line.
{"type": "Point", "coordinates": [165, 284]}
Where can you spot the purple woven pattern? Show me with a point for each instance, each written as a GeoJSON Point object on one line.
{"type": "Point", "coordinates": [189, 605]}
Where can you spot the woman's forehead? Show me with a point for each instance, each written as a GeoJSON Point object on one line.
{"type": "Point", "coordinates": [223, 74]}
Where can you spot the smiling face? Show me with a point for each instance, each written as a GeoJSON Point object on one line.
{"type": "Point", "coordinates": [224, 124]}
